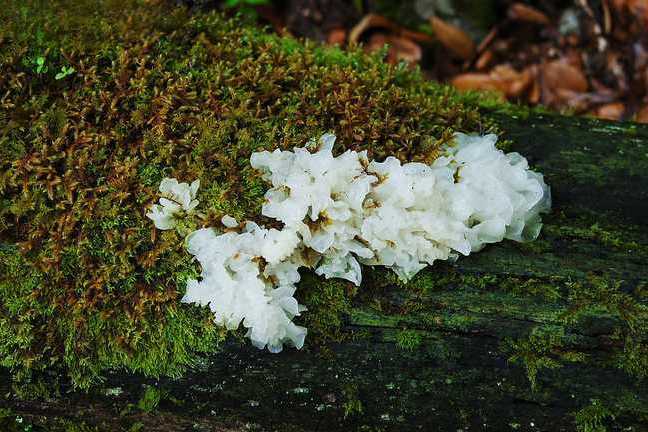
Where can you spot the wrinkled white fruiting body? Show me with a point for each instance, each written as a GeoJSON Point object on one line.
{"type": "Point", "coordinates": [320, 197]}
{"type": "Point", "coordinates": [348, 211]}
{"type": "Point", "coordinates": [176, 197]}
{"type": "Point", "coordinates": [504, 196]}
{"type": "Point", "coordinates": [235, 289]}
{"type": "Point", "coordinates": [403, 216]}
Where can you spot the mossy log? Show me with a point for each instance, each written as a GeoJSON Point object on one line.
{"type": "Point", "coordinates": [548, 336]}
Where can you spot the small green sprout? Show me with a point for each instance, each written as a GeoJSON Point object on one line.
{"type": "Point", "coordinates": [41, 67]}
{"type": "Point", "coordinates": [65, 72]}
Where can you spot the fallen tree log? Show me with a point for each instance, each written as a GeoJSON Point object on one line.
{"type": "Point", "coordinates": [539, 336]}
{"type": "Point", "coordinates": [549, 335]}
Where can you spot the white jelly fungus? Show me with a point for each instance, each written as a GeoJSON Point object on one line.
{"type": "Point", "coordinates": [176, 198]}
{"type": "Point", "coordinates": [346, 210]}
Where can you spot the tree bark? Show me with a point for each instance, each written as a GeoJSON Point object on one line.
{"type": "Point", "coordinates": [549, 335]}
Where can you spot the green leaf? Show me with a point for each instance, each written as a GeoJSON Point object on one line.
{"type": "Point", "coordinates": [65, 71]}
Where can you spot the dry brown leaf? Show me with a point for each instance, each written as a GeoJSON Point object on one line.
{"type": "Point", "coordinates": [476, 81]}
{"type": "Point", "coordinates": [400, 48]}
{"type": "Point", "coordinates": [374, 21]}
{"type": "Point", "coordinates": [566, 98]}
{"type": "Point", "coordinates": [522, 12]}
{"type": "Point", "coordinates": [614, 62]}
{"type": "Point", "coordinates": [534, 93]}
{"type": "Point", "coordinates": [376, 42]}
{"type": "Point", "coordinates": [484, 60]}
{"type": "Point", "coordinates": [511, 82]}
{"type": "Point", "coordinates": [416, 36]}
{"type": "Point", "coordinates": [520, 84]}
{"type": "Point", "coordinates": [642, 115]}
{"type": "Point", "coordinates": [504, 72]}
{"type": "Point", "coordinates": [612, 111]}
{"type": "Point", "coordinates": [600, 93]}
{"type": "Point", "coordinates": [453, 38]}
{"type": "Point", "coordinates": [561, 84]}
{"type": "Point", "coordinates": [337, 36]}
{"type": "Point", "coordinates": [367, 22]}
{"type": "Point", "coordinates": [503, 78]}
{"type": "Point", "coordinates": [607, 16]}
{"type": "Point", "coordinates": [402, 45]}
{"type": "Point", "coordinates": [560, 74]}
{"type": "Point", "coordinates": [639, 8]}
{"type": "Point", "coordinates": [485, 42]}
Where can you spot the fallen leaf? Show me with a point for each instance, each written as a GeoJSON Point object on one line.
{"type": "Point", "coordinates": [374, 21]}
{"type": "Point", "coordinates": [484, 60]}
{"type": "Point", "coordinates": [400, 48]}
{"type": "Point", "coordinates": [376, 42]}
{"type": "Point", "coordinates": [367, 22]}
{"type": "Point", "coordinates": [513, 83]}
{"type": "Point", "coordinates": [485, 42]}
{"type": "Point", "coordinates": [612, 111]}
{"type": "Point", "coordinates": [475, 81]}
{"type": "Point", "coordinates": [520, 83]}
{"type": "Point", "coordinates": [642, 115]}
{"type": "Point", "coordinates": [415, 36]}
{"type": "Point", "coordinates": [505, 75]}
{"type": "Point", "coordinates": [640, 9]}
{"type": "Point", "coordinates": [503, 78]}
{"type": "Point", "coordinates": [522, 12]}
{"type": "Point", "coordinates": [559, 74]}
{"type": "Point", "coordinates": [337, 36]}
{"type": "Point", "coordinates": [607, 16]}
{"type": "Point", "coordinates": [614, 62]}
{"type": "Point", "coordinates": [453, 38]}
{"type": "Point", "coordinates": [534, 93]}
{"type": "Point", "coordinates": [566, 98]}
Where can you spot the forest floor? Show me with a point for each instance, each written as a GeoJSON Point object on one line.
{"type": "Point", "coordinates": [584, 57]}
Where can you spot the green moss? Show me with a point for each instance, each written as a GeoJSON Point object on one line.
{"type": "Point", "coordinates": [593, 418]}
{"type": "Point", "coordinates": [150, 399]}
{"type": "Point", "coordinates": [544, 348]}
{"type": "Point", "coordinates": [12, 422]}
{"type": "Point", "coordinates": [159, 92]}
{"type": "Point", "coordinates": [604, 296]}
{"type": "Point", "coordinates": [352, 404]}
{"type": "Point", "coordinates": [408, 339]}
{"type": "Point", "coordinates": [606, 236]}
{"type": "Point", "coordinates": [328, 302]}
{"type": "Point", "coordinates": [567, 319]}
